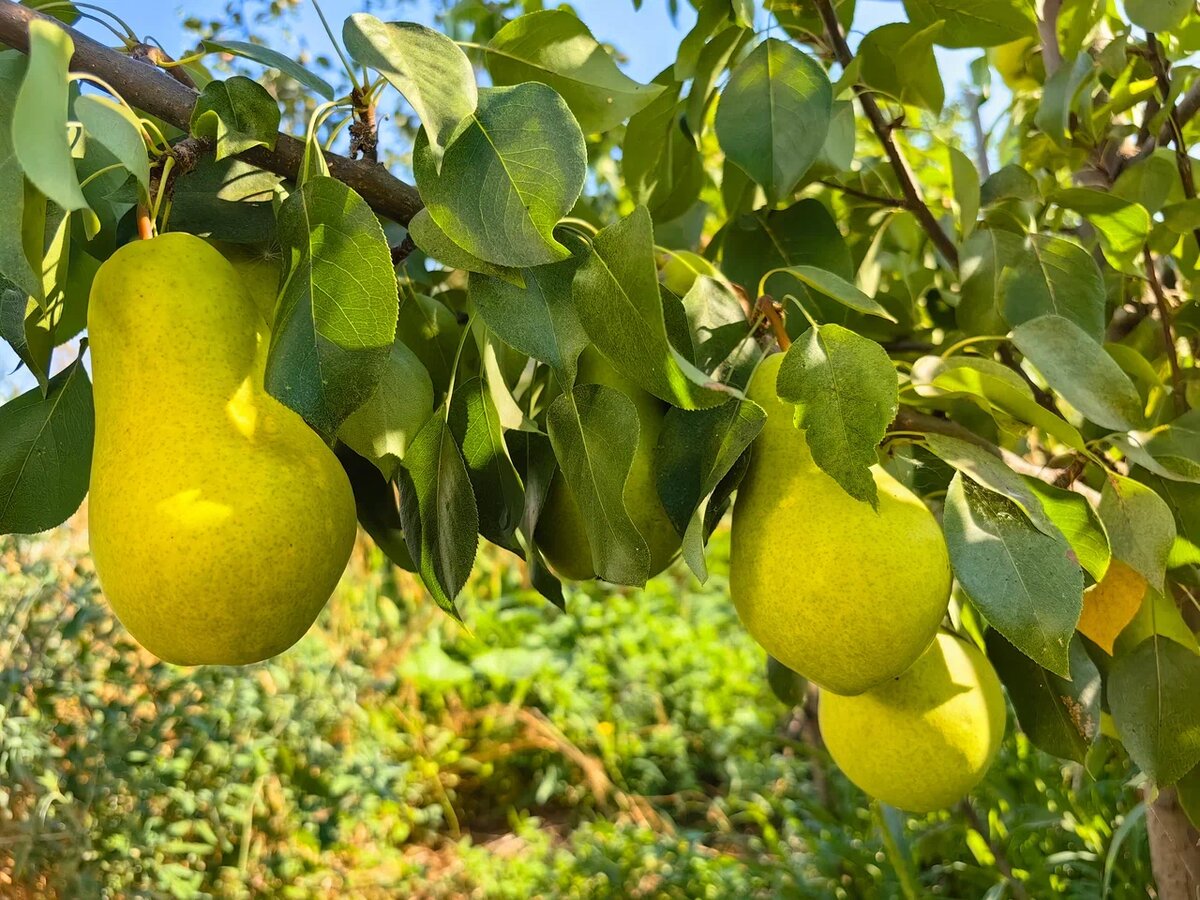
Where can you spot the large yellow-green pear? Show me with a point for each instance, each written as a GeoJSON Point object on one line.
{"type": "Point", "coordinates": [560, 532]}
{"type": "Point", "coordinates": [219, 521]}
{"type": "Point", "coordinates": [841, 593]}
{"type": "Point", "coordinates": [922, 740]}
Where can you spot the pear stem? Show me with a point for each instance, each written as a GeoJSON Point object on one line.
{"type": "Point", "coordinates": [768, 307]}
{"type": "Point", "coordinates": [145, 224]}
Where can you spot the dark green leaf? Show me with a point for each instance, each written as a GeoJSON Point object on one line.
{"type": "Point", "coordinates": [228, 200]}
{"type": "Point", "coordinates": [1156, 707]}
{"type": "Point", "coordinates": [833, 286]}
{"type": "Point", "coordinates": [662, 169]}
{"type": "Point", "coordinates": [774, 114]}
{"type": "Point", "coordinates": [437, 508]}
{"type": "Point", "coordinates": [498, 491]}
{"type": "Point", "coordinates": [594, 432]}
{"type": "Point", "coordinates": [846, 393]}
{"type": "Point", "coordinates": [897, 59]}
{"type": "Point", "coordinates": [237, 114]}
{"type": "Point", "coordinates": [1058, 715]}
{"type": "Point", "coordinates": [512, 172]}
{"type": "Point", "coordinates": [336, 318]}
{"type": "Point", "coordinates": [1055, 277]}
{"type": "Point", "coordinates": [1026, 583]}
{"type": "Point", "coordinates": [436, 244]}
{"type": "Point", "coordinates": [533, 457]}
{"type": "Point", "coordinates": [377, 507]}
{"type": "Point", "coordinates": [14, 265]}
{"type": "Point", "coordinates": [1080, 371]}
{"type": "Point", "coordinates": [46, 452]}
{"type": "Point", "coordinates": [616, 295]}
{"type": "Point", "coordinates": [539, 319]}
{"type": "Point", "coordinates": [1158, 15]}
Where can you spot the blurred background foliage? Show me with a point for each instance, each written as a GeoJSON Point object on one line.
{"type": "Point", "coordinates": [630, 747]}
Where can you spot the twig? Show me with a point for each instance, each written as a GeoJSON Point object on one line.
{"type": "Point", "coordinates": [914, 202]}
{"type": "Point", "coordinates": [770, 309]}
{"type": "Point", "coordinates": [153, 91]}
{"type": "Point", "coordinates": [877, 199]}
{"type": "Point", "coordinates": [1164, 319]}
{"type": "Point", "coordinates": [1048, 34]}
{"type": "Point", "coordinates": [974, 101]}
{"type": "Point", "coordinates": [1183, 162]}
{"type": "Point", "coordinates": [402, 250]}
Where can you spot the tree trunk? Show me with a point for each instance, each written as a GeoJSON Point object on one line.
{"type": "Point", "coordinates": [1174, 848]}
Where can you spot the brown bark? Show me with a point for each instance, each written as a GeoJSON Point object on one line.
{"type": "Point", "coordinates": [1174, 848]}
{"type": "Point", "coordinates": [152, 90]}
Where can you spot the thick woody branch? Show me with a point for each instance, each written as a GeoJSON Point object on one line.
{"type": "Point", "coordinates": [1164, 319]}
{"type": "Point", "coordinates": [1048, 35]}
{"type": "Point", "coordinates": [152, 90]}
{"type": "Point", "coordinates": [914, 202]}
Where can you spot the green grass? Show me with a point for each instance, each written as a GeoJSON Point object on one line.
{"type": "Point", "coordinates": [630, 747]}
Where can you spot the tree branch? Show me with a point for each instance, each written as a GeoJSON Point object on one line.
{"type": "Point", "coordinates": [1183, 162]}
{"type": "Point", "coordinates": [914, 202]}
{"type": "Point", "coordinates": [1048, 34]}
{"type": "Point", "coordinates": [152, 90]}
{"type": "Point", "coordinates": [877, 199]}
{"type": "Point", "coordinates": [1164, 318]}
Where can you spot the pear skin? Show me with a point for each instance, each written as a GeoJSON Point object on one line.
{"type": "Point", "coordinates": [923, 740]}
{"type": "Point", "coordinates": [219, 522]}
{"type": "Point", "coordinates": [845, 595]}
{"type": "Point", "coordinates": [560, 533]}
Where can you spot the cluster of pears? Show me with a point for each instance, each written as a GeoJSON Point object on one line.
{"type": "Point", "coordinates": [852, 598]}
{"type": "Point", "coordinates": [219, 521]}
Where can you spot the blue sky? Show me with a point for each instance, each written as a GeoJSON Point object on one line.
{"type": "Point", "coordinates": [646, 37]}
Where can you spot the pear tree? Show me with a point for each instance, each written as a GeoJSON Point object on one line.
{"type": "Point", "coordinates": [931, 346]}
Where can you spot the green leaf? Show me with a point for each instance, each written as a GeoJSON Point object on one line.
{"type": "Point", "coordinates": [1156, 707]}
{"type": "Point", "coordinates": [1158, 15]}
{"type": "Point", "coordinates": [594, 432]}
{"type": "Point", "coordinates": [774, 114]}
{"type": "Point", "coordinates": [1009, 182]}
{"type": "Point", "coordinates": [804, 234]}
{"type": "Point", "coordinates": [1080, 371]}
{"type": "Point", "coordinates": [114, 127]}
{"type": "Point", "coordinates": [1079, 523]}
{"type": "Point", "coordinates": [437, 508]}
{"type": "Point", "coordinates": [475, 424]}
{"type": "Point", "coordinates": [512, 172]}
{"type": "Point", "coordinates": [238, 114]}
{"type": "Point", "coordinates": [1123, 227]}
{"type": "Point", "coordinates": [1169, 451]}
{"type": "Point", "coordinates": [39, 121]}
{"type": "Point", "coordinates": [616, 295]}
{"type": "Point", "coordinates": [1026, 583]}
{"type": "Point", "coordinates": [965, 179]}
{"type": "Point", "coordinates": [994, 387]}
{"type": "Point", "coordinates": [432, 331]}
{"type": "Point", "coordinates": [1053, 276]}
{"type": "Point", "coordinates": [1140, 526]}
{"type": "Point", "coordinates": [716, 319]}
{"type": "Point", "coordinates": [713, 20]}
{"type": "Point", "coordinates": [376, 506]}
{"type": "Point", "coordinates": [229, 200]}
{"type": "Point", "coordinates": [659, 161]}
{"type": "Point", "coordinates": [1061, 95]}
{"type": "Point", "coordinates": [552, 46]}
{"type": "Point", "coordinates": [991, 472]}
{"type": "Point", "coordinates": [827, 284]}
{"type": "Point", "coordinates": [973, 23]}
{"type": "Point", "coordinates": [14, 264]}
{"type": "Point", "coordinates": [436, 244]}
{"type": "Point", "coordinates": [897, 59]}
{"type": "Point", "coordinates": [846, 393]}
{"type": "Point", "coordinates": [538, 319]}
{"type": "Point", "coordinates": [1058, 715]}
{"type": "Point", "coordinates": [714, 59]}
{"type": "Point", "coordinates": [984, 261]}
{"type": "Point", "coordinates": [333, 334]}
{"type": "Point", "coordinates": [383, 427]}
{"type": "Point", "coordinates": [428, 68]}
{"type": "Point", "coordinates": [533, 457]}
{"type": "Point", "coordinates": [272, 59]}
{"type": "Point", "coordinates": [46, 452]}
{"type": "Point", "coordinates": [695, 451]}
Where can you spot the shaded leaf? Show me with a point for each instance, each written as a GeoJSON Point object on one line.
{"type": "Point", "coordinates": [272, 59]}
{"type": "Point", "coordinates": [1140, 526]}
{"type": "Point", "coordinates": [333, 334]}
{"type": "Point", "coordinates": [118, 131]}
{"type": "Point", "coordinates": [237, 114]}
{"type": "Point", "coordinates": [898, 60]}
{"type": "Point", "coordinates": [1025, 583]}
{"type": "Point", "coordinates": [1053, 276]}
{"type": "Point", "coordinates": [46, 452]}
